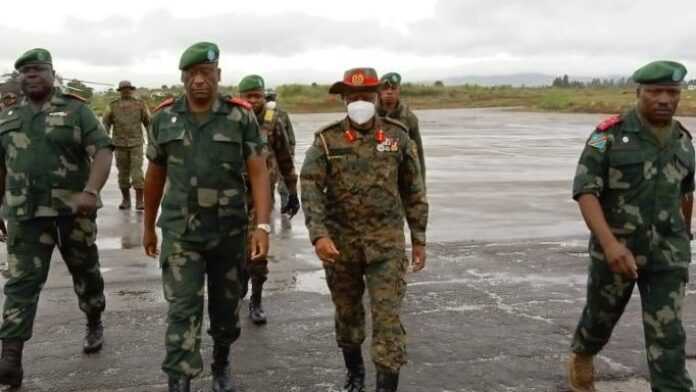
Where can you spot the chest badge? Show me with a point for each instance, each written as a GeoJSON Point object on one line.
{"type": "Point", "coordinates": [173, 120]}
{"type": "Point", "coordinates": [625, 139]}
{"type": "Point", "coordinates": [58, 114]}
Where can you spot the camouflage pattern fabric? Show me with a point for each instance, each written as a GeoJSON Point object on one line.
{"type": "Point", "coordinates": [48, 155]}
{"type": "Point", "coordinates": [185, 266]}
{"type": "Point", "coordinates": [129, 162]}
{"type": "Point", "coordinates": [403, 114]}
{"type": "Point", "coordinates": [127, 117]}
{"type": "Point", "coordinates": [357, 188]}
{"type": "Point", "coordinates": [640, 187]}
{"type": "Point", "coordinates": [284, 118]}
{"type": "Point", "coordinates": [204, 221]}
{"type": "Point", "coordinates": [280, 157]}
{"type": "Point", "coordinates": [30, 246]}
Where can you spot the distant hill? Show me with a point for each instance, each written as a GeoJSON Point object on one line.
{"type": "Point", "coordinates": [516, 80]}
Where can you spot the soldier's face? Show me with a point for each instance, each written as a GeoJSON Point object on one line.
{"type": "Point", "coordinates": [201, 82]}
{"type": "Point", "coordinates": [126, 92]}
{"type": "Point", "coordinates": [36, 80]}
{"type": "Point", "coordinates": [360, 96]}
{"type": "Point", "coordinates": [256, 98]}
{"type": "Point", "coordinates": [658, 103]}
{"type": "Point", "coordinates": [389, 95]}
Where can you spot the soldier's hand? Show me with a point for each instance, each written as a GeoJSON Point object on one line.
{"type": "Point", "coordinates": [418, 257]}
{"type": "Point", "coordinates": [621, 260]}
{"type": "Point", "coordinates": [326, 250]}
{"type": "Point", "coordinates": [86, 204]}
{"type": "Point", "coordinates": [259, 245]}
{"type": "Point", "coordinates": [150, 242]}
{"type": "Point", "coordinates": [293, 205]}
{"type": "Point", "coordinates": [3, 231]}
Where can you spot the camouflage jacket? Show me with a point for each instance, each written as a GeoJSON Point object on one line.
{"type": "Point", "coordinates": [280, 157]}
{"type": "Point", "coordinates": [205, 194]}
{"type": "Point", "coordinates": [640, 186]}
{"type": "Point", "coordinates": [403, 114]}
{"type": "Point", "coordinates": [127, 117]}
{"type": "Point", "coordinates": [47, 155]}
{"type": "Point", "coordinates": [284, 118]}
{"type": "Point", "coordinates": [357, 186]}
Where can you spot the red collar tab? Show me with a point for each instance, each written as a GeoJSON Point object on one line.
{"type": "Point", "coordinates": [379, 136]}
{"type": "Point", "coordinates": [609, 122]}
{"type": "Point", "coordinates": [167, 102]}
{"type": "Point", "coordinates": [350, 135]}
{"type": "Point", "coordinates": [239, 102]}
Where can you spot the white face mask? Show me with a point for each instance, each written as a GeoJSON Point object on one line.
{"type": "Point", "coordinates": [360, 112]}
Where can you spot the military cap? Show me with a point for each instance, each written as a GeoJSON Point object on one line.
{"type": "Point", "coordinates": [200, 53]}
{"type": "Point", "coordinates": [391, 78]}
{"type": "Point", "coordinates": [250, 83]}
{"type": "Point", "coordinates": [37, 55]}
{"type": "Point", "coordinates": [356, 79]}
{"type": "Point", "coordinates": [124, 84]}
{"type": "Point", "coordinates": [660, 72]}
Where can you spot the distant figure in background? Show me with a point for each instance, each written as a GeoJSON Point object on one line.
{"type": "Point", "coordinates": [127, 115]}
{"type": "Point", "coordinates": [284, 118]}
{"type": "Point", "coordinates": [9, 100]}
{"type": "Point", "coordinates": [390, 105]}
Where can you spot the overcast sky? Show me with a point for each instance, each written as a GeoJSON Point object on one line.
{"type": "Point", "coordinates": [307, 41]}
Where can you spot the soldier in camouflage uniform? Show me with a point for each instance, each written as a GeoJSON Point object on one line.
{"type": "Point", "coordinates": [9, 99]}
{"type": "Point", "coordinates": [127, 115]}
{"type": "Point", "coordinates": [360, 180]}
{"type": "Point", "coordinates": [634, 184]}
{"type": "Point", "coordinates": [284, 118]}
{"type": "Point", "coordinates": [280, 164]}
{"type": "Point", "coordinates": [201, 144]}
{"type": "Point", "coordinates": [54, 159]}
{"type": "Point", "coordinates": [390, 105]}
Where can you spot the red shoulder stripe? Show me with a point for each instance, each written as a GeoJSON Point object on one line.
{"type": "Point", "coordinates": [167, 102]}
{"type": "Point", "coordinates": [79, 98]}
{"type": "Point", "coordinates": [239, 102]}
{"type": "Point", "coordinates": [609, 122]}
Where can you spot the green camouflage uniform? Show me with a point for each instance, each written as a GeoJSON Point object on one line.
{"type": "Point", "coordinates": [404, 114]}
{"type": "Point", "coordinates": [204, 222]}
{"type": "Point", "coordinates": [358, 193]}
{"type": "Point", "coordinates": [127, 116]}
{"type": "Point", "coordinates": [284, 118]}
{"type": "Point", "coordinates": [47, 157]}
{"type": "Point", "coordinates": [640, 185]}
{"type": "Point", "coordinates": [280, 164]}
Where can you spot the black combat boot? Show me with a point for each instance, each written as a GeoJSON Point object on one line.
{"type": "Point", "coordinates": [355, 378]}
{"type": "Point", "coordinates": [11, 371]}
{"type": "Point", "coordinates": [126, 202]}
{"type": "Point", "coordinates": [182, 384]}
{"type": "Point", "coordinates": [256, 313]}
{"type": "Point", "coordinates": [222, 381]}
{"type": "Point", "coordinates": [387, 381]}
{"type": "Point", "coordinates": [94, 338]}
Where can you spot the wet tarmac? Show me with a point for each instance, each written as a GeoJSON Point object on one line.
{"type": "Point", "coordinates": [494, 311]}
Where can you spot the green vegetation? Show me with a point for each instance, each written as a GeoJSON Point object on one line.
{"type": "Point", "coordinates": [315, 98]}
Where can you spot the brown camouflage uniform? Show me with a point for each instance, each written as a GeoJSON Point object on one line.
{"type": "Point", "coordinates": [357, 191]}
{"type": "Point", "coordinates": [404, 114]}
{"type": "Point", "coordinates": [127, 116]}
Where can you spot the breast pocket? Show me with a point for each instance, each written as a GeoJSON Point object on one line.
{"type": "Point", "coordinates": [171, 141]}
{"type": "Point", "coordinates": [11, 135]}
{"type": "Point", "coordinates": [628, 168]}
{"type": "Point", "coordinates": [683, 164]}
{"type": "Point", "coordinates": [63, 129]}
{"type": "Point", "coordinates": [226, 148]}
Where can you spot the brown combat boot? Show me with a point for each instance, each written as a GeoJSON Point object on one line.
{"type": "Point", "coordinates": [11, 372]}
{"type": "Point", "coordinates": [139, 202]}
{"type": "Point", "coordinates": [581, 372]}
{"type": "Point", "coordinates": [126, 203]}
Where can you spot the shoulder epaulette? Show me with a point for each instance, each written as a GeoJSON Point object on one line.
{"type": "Point", "coordinates": [167, 102]}
{"type": "Point", "coordinates": [75, 96]}
{"type": "Point", "coordinates": [609, 122]}
{"type": "Point", "coordinates": [327, 127]}
{"type": "Point", "coordinates": [686, 131]}
{"type": "Point", "coordinates": [239, 102]}
{"type": "Point", "coordinates": [396, 122]}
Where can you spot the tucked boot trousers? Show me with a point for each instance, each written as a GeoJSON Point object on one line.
{"type": "Point", "coordinates": [387, 381]}
{"type": "Point", "coordinates": [222, 381]}
{"type": "Point", "coordinates": [11, 371]}
{"type": "Point", "coordinates": [182, 384]}
{"type": "Point", "coordinates": [355, 377]}
{"type": "Point", "coordinates": [94, 338]}
{"type": "Point", "coordinates": [139, 201]}
{"type": "Point", "coordinates": [126, 203]}
{"type": "Point", "coordinates": [256, 313]}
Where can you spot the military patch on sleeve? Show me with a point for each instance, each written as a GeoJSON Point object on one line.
{"type": "Point", "coordinates": [599, 141]}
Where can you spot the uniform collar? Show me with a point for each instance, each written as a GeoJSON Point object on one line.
{"type": "Point", "coordinates": [219, 105]}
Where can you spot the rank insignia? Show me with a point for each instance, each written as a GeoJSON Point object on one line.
{"type": "Point", "coordinates": [598, 141]}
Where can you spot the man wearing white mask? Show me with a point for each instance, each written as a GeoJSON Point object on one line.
{"type": "Point", "coordinates": [360, 180]}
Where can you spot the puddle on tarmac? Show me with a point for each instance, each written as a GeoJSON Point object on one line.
{"type": "Point", "coordinates": [117, 243]}
{"type": "Point", "coordinates": [312, 282]}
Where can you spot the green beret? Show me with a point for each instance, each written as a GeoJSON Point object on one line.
{"type": "Point", "coordinates": [660, 72]}
{"type": "Point", "coordinates": [250, 83]}
{"type": "Point", "coordinates": [200, 53]}
{"type": "Point", "coordinates": [392, 79]}
{"type": "Point", "coordinates": [37, 55]}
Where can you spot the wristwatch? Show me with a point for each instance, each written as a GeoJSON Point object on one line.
{"type": "Point", "coordinates": [91, 192]}
{"type": "Point", "coordinates": [265, 227]}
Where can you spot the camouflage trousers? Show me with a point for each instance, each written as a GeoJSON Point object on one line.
{"type": "Point", "coordinates": [255, 271]}
{"type": "Point", "coordinates": [185, 266]}
{"type": "Point", "coordinates": [662, 295]}
{"type": "Point", "coordinates": [30, 245]}
{"type": "Point", "coordinates": [386, 286]}
{"type": "Point", "coordinates": [129, 162]}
